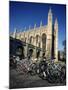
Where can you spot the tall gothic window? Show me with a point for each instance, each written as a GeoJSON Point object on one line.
{"type": "Point", "coordinates": [38, 40]}
{"type": "Point", "coordinates": [22, 39]}
{"type": "Point", "coordinates": [25, 39]}
{"type": "Point", "coordinates": [31, 39]}
{"type": "Point", "coordinates": [44, 41]}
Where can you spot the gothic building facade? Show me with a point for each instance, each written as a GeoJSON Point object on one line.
{"type": "Point", "coordinates": [42, 40]}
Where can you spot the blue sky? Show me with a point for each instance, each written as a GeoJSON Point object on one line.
{"type": "Point", "coordinates": [24, 14]}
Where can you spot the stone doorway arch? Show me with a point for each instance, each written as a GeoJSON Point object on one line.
{"type": "Point", "coordinates": [37, 40]}
{"type": "Point", "coordinates": [31, 40]}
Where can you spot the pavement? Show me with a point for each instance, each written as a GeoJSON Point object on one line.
{"type": "Point", "coordinates": [25, 80]}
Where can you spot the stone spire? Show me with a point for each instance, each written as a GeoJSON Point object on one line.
{"type": "Point", "coordinates": [49, 31]}
{"type": "Point", "coordinates": [40, 23]}
{"type": "Point", "coordinates": [24, 28]}
{"type": "Point", "coordinates": [50, 11]}
{"type": "Point", "coordinates": [34, 25]}
{"type": "Point", "coordinates": [14, 34]}
{"type": "Point", "coordinates": [24, 33]}
{"type": "Point", "coordinates": [50, 21]}
{"type": "Point", "coordinates": [56, 39]}
{"type": "Point", "coordinates": [29, 27]}
{"type": "Point", "coordinates": [50, 16]}
{"type": "Point", "coordinates": [56, 24]}
{"type": "Point", "coordinates": [20, 31]}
